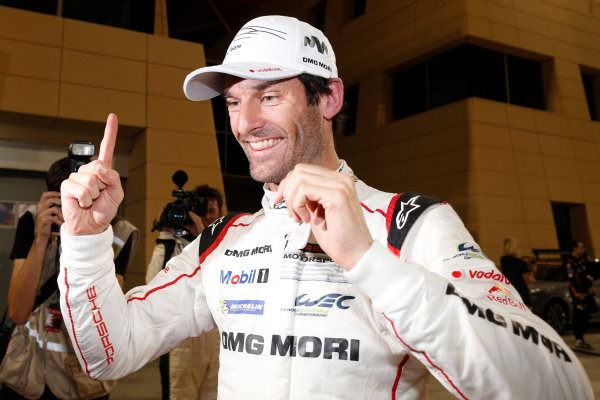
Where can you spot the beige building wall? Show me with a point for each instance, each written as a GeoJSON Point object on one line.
{"type": "Point", "coordinates": [499, 165]}
{"type": "Point", "coordinates": [60, 78]}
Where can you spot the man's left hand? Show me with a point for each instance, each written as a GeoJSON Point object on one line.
{"type": "Point", "coordinates": [328, 201]}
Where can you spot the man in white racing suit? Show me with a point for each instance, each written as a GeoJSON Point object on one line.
{"type": "Point", "coordinates": [333, 290]}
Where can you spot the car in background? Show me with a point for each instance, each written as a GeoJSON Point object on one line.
{"type": "Point", "coordinates": [550, 292]}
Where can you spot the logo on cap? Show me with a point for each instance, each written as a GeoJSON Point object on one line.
{"type": "Point", "coordinates": [314, 41]}
{"type": "Point", "coordinates": [249, 31]}
{"type": "Point", "coordinates": [275, 69]}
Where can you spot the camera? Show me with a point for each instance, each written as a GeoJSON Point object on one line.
{"type": "Point", "coordinates": [176, 215]}
{"type": "Point", "coordinates": [80, 153]}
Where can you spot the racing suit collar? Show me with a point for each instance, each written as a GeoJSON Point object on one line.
{"type": "Point", "coordinates": [297, 234]}
{"type": "Point", "coordinates": [280, 208]}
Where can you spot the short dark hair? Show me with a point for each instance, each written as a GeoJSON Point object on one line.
{"type": "Point", "coordinates": [209, 193]}
{"type": "Point", "coordinates": [315, 86]}
{"type": "Point", "coordinates": [57, 173]}
{"type": "Point", "coordinates": [574, 244]}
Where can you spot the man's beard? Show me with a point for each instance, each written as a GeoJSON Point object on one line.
{"type": "Point", "coordinates": [309, 145]}
{"type": "Point", "coordinates": [275, 178]}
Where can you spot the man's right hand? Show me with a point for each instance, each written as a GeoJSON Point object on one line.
{"type": "Point", "coordinates": [91, 196]}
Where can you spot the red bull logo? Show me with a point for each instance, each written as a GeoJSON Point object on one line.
{"type": "Point", "coordinates": [499, 289]}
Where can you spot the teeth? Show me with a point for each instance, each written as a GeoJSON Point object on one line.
{"type": "Point", "coordinates": [263, 144]}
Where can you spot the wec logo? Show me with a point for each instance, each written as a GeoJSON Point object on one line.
{"type": "Point", "coordinates": [321, 307]}
{"type": "Point", "coordinates": [467, 246]}
{"type": "Point", "coordinates": [326, 301]}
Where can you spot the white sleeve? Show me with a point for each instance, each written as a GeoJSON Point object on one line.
{"type": "Point", "coordinates": [465, 331]}
{"type": "Point", "coordinates": [115, 334]}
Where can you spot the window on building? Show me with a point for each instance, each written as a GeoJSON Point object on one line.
{"type": "Point", "coordinates": [351, 98]}
{"type": "Point", "coordinates": [360, 6]}
{"type": "Point", "coordinates": [591, 85]}
{"type": "Point", "coordinates": [353, 9]}
{"type": "Point", "coordinates": [41, 6]}
{"type": "Point", "coordinates": [136, 15]}
{"type": "Point", "coordinates": [466, 71]}
{"type": "Point", "coordinates": [317, 15]}
{"type": "Point", "coordinates": [570, 222]}
{"type": "Point", "coordinates": [411, 94]}
{"type": "Point", "coordinates": [524, 82]}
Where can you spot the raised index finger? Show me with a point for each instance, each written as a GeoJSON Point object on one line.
{"type": "Point", "coordinates": [107, 147]}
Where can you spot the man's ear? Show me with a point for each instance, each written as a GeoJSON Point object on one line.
{"type": "Point", "coordinates": [332, 102]}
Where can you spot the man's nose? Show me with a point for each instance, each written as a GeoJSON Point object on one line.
{"type": "Point", "coordinates": [249, 117]}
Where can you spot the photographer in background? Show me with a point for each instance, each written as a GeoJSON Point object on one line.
{"type": "Point", "coordinates": [189, 371]}
{"type": "Point", "coordinates": [40, 361]}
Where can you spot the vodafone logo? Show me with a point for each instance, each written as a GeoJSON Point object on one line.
{"type": "Point", "coordinates": [270, 69]}
{"type": "Point", "coordinates": [459, 275]}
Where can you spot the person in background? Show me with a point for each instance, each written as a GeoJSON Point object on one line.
{"type": "Point", "coordinates": [516, 270]}
{"type": "Point", "coordinates": [40, 361]}
{"type": "Point", "coordinates": [581, 290]}
{"type": "Point", "coordinates": [189, 371]}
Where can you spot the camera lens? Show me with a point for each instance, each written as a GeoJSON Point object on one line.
{"type": "Point", "coordinates": [177, 216]}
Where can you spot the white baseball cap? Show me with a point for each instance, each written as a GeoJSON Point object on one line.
{"type": "Point", "coordinates": [266, 48]}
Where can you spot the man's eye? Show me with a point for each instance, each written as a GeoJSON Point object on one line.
{"type": "Point", "coordinates": [233, 104]}
{"type": "Point", "coordinates": [270, 98]}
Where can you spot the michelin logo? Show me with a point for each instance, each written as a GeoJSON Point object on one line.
{"type": "Point", "coordinates": [253, 307]}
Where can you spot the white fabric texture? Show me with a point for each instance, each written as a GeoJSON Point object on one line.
{"type": "Point", "coordinates": [294, 325]}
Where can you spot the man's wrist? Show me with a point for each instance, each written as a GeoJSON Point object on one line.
{"type": "Point", "coordinates": [87, 250]}
{"type": "Point", "coordinates": [41, 238]}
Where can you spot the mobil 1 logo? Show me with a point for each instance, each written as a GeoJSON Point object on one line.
{"type": "Point", "coordinates": [251, 276]}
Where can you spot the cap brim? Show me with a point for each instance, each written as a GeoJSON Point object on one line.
{"type": "Point", "coordinates": [208, 82]}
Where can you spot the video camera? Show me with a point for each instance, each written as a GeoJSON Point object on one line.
{"type": "Point", "coordinates": [176, 215]}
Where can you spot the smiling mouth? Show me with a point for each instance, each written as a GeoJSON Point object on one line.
{"type": "Point", "coordinates": [264, 144]}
